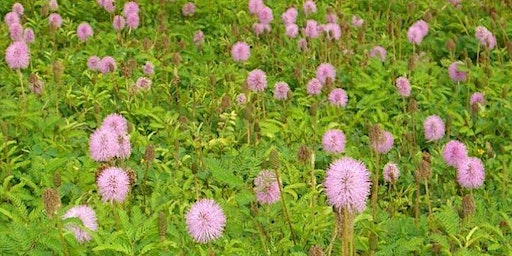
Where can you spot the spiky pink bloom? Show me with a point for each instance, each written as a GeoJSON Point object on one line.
{"type": "Point", "coordinates": [240, 51]}
{"type": "Point", "coordinates": [454, 153]}
{"type": "Point", "coordinates": [148, 68]}
{"type": "Point", "coordinates": [94, 63]}
{"type": "Point", "coordinates": [332, 31]}
{"type": "Point", "coordinates": [205, 221]}
{"type": "Point", "coordinates": [347, 184]}
{"type": "Point", "coordinates": [115, 122]}
{"type": "Point", "coordinates": [118, 22]}
{"type": "Point", "coordinates": [338, 97]}
{"type": "Point", "coordinates": [357, 21]}
{"type": "Point", "coordinates": [333, 141]}
{"type": "Point", "coordinates": [302, 44]}
{"type": "Point", "coordinates": [84, 31]}
{"type": "Point", "coordinates": [188, 9]}
{"type": "Point", "coordinates": [289, 16]}
{"type": "Point", "coordinates": [265, 15]}
{"type": "Point", "coordinates": [266, 187]}
{"type": "Point", "coordinates": [325, 72]}
{"type": "Point", "coordinates": [314, 86]}
{"type": "Point", "coordinates": [108, 5]}
{"type": "Point", "coordinates": [477, 98]}
{"type": "Point", "coordinates": [417, 32]}
{"type": "Point", "coordinates": [255, 6]}
{"type": "Point", "coordinates": [485, 37]}
{"type": "Point", "coordinates": [403, 86]}
{"type": "Point", "coordinates": [260, 28]}
{"type": "Point", "coordinates": [471, 173]}
{"type": "Point", "coordinates": [198, 38]}
{"type": "Point", "coordinates": [143, 83]}
{"type": "Point", "coordinates": [130, 7]}
{"type": "Point", "coordinates": [16, 32]}
{"type": "Point", "coordinates": [391, 172]}
{"type": "Point", "coordinates": [383, 144]}
{"type": "Point", "coordinates": [292, 30]}
{"type": "Point", "coordinates": [434, 128]}
{"type": "Point", "coordinates": [257, 80]}
{"type": "Point", "coordinates": [331, 18]}
{"type": "Point", "coordinates": [55, 20]}
{"type": "Point", "coordinates": [113, 184]}
{"type": "Point", "coordinates": [88, 217]}
{"type": "Point", "coordinates": [378, 51]}
{"type": "Point", "coordinates": [281, 90]}
{"type": "Point", "coordinates": [17, 55]}
{"type": "Point", "coordinates": [18, 8]}
{"type": "Point", "coordinates": [53, 5]}
{"type": "Point", "coordinates": [312, 30]}
{"type": "Point", "coordinates": [132, 20]}
{"type": "Point", "coordinates": [241, 99]}
{"type": "Point", "coordinates": [11, 18]}
{"type": "Point", "coordinates": [103, 145]}
{"type": "Point", "coordinates": [455, 74]}
{"type": "Point", "coordinates": [108, 65]}
{"type": "Point", "coordinates": [309, 7]}
{"type": "Point", "coordinates": [28, 35]}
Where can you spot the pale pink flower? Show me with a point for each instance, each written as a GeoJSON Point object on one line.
{"type": "Point", "coordinates": [357, 21]}
{"type": "Point", "coordinates": [205, 221]}
{"type": "Point", "coordinates": [325, 72]}
{"type": "Point", "coordinates": [265, 15]}
{"type": "Point", "coordinates": [88, 218]}
{"type": "Point", "coordinates": [314, 87]}
{"type": "Point", "coordinates": [119, 22]}
{"type": "Point", "coordinates": [266, 187]}
{"type": "Point", "coordinates": [471, 173]}
{"type": "Point", "coordinates": [255, 6]}
{"type": "Point", "coordinates": [17, 55]}
{"type": "Point", "coordinates": [240, 51]}
{"type": "Point", "coordinates": [332, 31]}
{"type": "Point", "coordinates": [391, 172]}
{"type": "Point", "coordinates": [289, 16]}
{"type": "Point", "coordinates": [11, 18]}
{"type": "Point", "coordinates": [312, 29]}
{"type": "Point", "coordinates": [55, 20]}
{"type": "Point", "coordinates": [309, 7]}
{"type": "Point", "coordinates": [292, 30]}
{"type": "Point", "coordinates": [84, 31]}
{"type": "Point", "coordinates": [189, 9]}
{"type": "Point", "coordinates": [338, 97]}
{"type": "Point", "coordinates": [434, 128]}
{"type": "Point", "coordinates": [257, 80]}
{"type": "Point", "coordinates": [403, 86]}
{"type": "Point", "coordinates": [454, 153]}
{"type": "Point", "coordinates": [113, 184]}
{"type": "Point", "coordinates": [333, 141]}
{"type": "Point", "coordinates": [28, 36]}
{"type": "Point", "coordinates": [378, 51]}
{"type": "Point", "coordinates": [281, 90]}
{"type": "Point", "coordinates": [16, 32]}
{"type": "Point", "coordinates": [18, 8]}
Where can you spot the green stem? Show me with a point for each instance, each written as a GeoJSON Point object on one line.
{"type": "Point", "coordinates": [61, 235]}
{"type": "Point", "coordinates": [285, 209]}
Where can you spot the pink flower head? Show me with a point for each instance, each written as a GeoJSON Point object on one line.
{"type": "Point", "coordinates": [477, 98]}
{"type": "Point", "coordinates": [188, 9]}
{"type": "Point", "coordinates": [94, 63]}
{"type": "Point", "coordinates": [455, 3]}
{"type": "Point", "coordinates": [205, 221]}
{"type": "Point", "coordinates": [434, 128]}
{"type": "Point", "coordinates": [119, 22]}
{"type": "Point", "coordinates": [403, 86]}
{"type": "Point", "coordinates": [143, 83]}
{"type": "Point", "coordinates": [331, 18]}
{"type": "Point", "coordinates": [325, 72]}
{"type": "Point", "coordinates": [384, 143]}
{"type": "Point", "coordinates": [108, 65]}
{"type": "Point", "coordinates": [148, 68]}
{"type": "Point", "coordinates": [28, 35]}
{"type": "Point", "coordinates": [471, 173]}
{"type": "Point", "coordinates": [16, 32]}
{"type": "Point", "coordinates": [309, 7]}
{"type": "Point", "coordinates": [103, 145]}
{"type": "Point", "coordinates": [55, 20]}
{"type": "Point", "coordinates": [281, 90]}
{"type": "Point", "coordinates": [378, 51]}
{"type": "Point", "coordinates": [333, 141]}
{"type": "Point", "coordinates": [18, 8]}
{"type": "Point", "coordinates": [113, 185]}
{"type": "Point", "coordinates": [289, 16]}
{"type": "Point", "coordinates": [88, 217]}
{"type": "Point", "coordinates": [241, 99]}
{"type": "Point", "coordinates": [391, 172]}
{"type": "Point", "coordinates": [312, 29]}
{"type": "Point", "coordinates": [302, 44]}
{"type": "Point", "coordinates": [347, 184]}
{"type": "Point", "coordinates": [455, 74]}
{"type": "Point", "coordinates": [485, 37]}
{"type": "Point", "coordinates": [314, 87]}
{"type": "Point", "coordinates": [338, 97]}
{"type": "Point", "coordinates": [84, 31]}
{"type": "Point", "coordinates": [130, 7]}
{"type": "Point", "coordinates": [265, 15]}
{"type": "Point", "coordinates": [266, 187]}
{"type": "Point", "coordinates": [255, 6]}
{"type": "Point", "coordinates": [53, 5]}
{"type": "Point", "coordinates": [332, 31]}
{"type": "Point", "coordinates": [17, 55]}
{"type": "Point", "coordinates": [108, 5]}
{"type": "Point", "coordinates": [417, 32]}
{"type": "Point", "coordinates": [132, 20]}
{"type": "Point", "coordinates": [357, 21]}
{"type": "Point", "coordinates": [240, 51]}
{"type": "Point", "coordinates": [257, 80]}
{"type": "Point", "coordinates": [198, 38]}
{"type": "Point", "coordinates": [11, 18]}
{"type": "Point", "coordinates": [292, 30]}
{"type": "Point", "coordinates": [260, 28]}
{"type": "Point", "coordinates": [116, 123]}
{"type": "Point", "coordinates": [454, 153]}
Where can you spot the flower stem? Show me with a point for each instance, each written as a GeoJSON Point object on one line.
{"type": "Point", "coordinates": [61, 236]}
{"type": "Point", "coordinates": [285, 210]}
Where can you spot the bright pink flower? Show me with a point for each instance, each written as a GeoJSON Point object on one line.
{"type": "Point", "coordinates": [391, 172]}
{"type": "Point", "coordinates": [109, 6]}
{"type": "Point", "coordinates": [18, 8]}
{"type": "Point", "coordinates": [113, 185]}
{"type": "Point", "coordinates": [257, 80]}
{"type": "Point", "coordinates": [281, 90]}
{"type": "Point", "coordinates": [417, 32]}
{"type": "Point", "coordinates": [84, 31]}
{"type": "Point", "coordinates": [103, 145]}
{"type": "Point", "coordinates": [454, 153]}
{"type": "Point", "coordinates": [16, 32]}
{"type": "Point", "coordinates": [240, 52]}
{"type": "Point", "coordinates": [108, 65]}
{"type": "Point", "coordinates": [255, 6]}
{"type": "Point", "coordinates": [28, 35]}
{"type": "Point", "coordinates": [94, 63]}
{"type": "Point", "coordinates": [116, 123]}
{"type": "Point", "coordinates": [357, 21]}
{"type": "Point", "coordinates": [455, 74]}
{"type": "Point", "coordinates": [265, 15]}
{"type": "Point", "coordinates": [312, 30]}
{"type": "Point", "coordinates": [119, 22]}
{"type": "Point", "coordinates": [338, 97]}
{"type": "Point", "coordinates": [130, 7]}
{"type": "Point", "coordinates": [266, 187]}
{"type": "Point", "coordinates": [314, 87]}
{"type": "Point", "coordinates": [11, 18]}
{"type": "Point", "coordinates": [477, 98]}
{"type": "Point", "coordinates": [292, 30]}
{"type": "Point", "coordinates": [189, 9]}
{"type": "Point", "coordinates": [378, 51]}
{"type": "Point", "coordinates": [325, 72]}
{"type": "Point", "coordinates": [148, 68]}
{"type": "Point", "coordinates": [434, 128]}
{"type": "Point", "coordinates": [55, 20]}
{"type": "Point", "coordinates": [205, 221]}
{"type": "Point", "coordinates": [17, 55]}
{"type": "Point", "coordinates": [289, 16]}
{"type": "Point", "coordinates": [347, 184]}
{"type": "Point", "coordinates": [383, 144]}
{"type": "Point", "coordinates": [132, 20]}
{"type": "Point", "coordinates": [332, 31]}
{"type": "Point", "coordinates": [88, 217]}
{"type": "Point", "coordinates": [471, 173]}
{"type": "Point", "coordinates": [485, 37]}
{"type": "Point", "coordinates": [309, 7]}
{"type": "Point", "coordinates": [333, 141]}
{"type": "Point", "coordinates": [403, 86]}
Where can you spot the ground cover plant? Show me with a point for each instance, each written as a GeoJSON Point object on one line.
{"type": "Point", "coordinates": [168, 127]}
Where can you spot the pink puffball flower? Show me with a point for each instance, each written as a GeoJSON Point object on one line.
{"type": "Point", "coordinates": [477, 98]}
{"type": "Point", "coordinates": [88, 217]}
{"type": "Point", "coordinates": [338, 97]}
{"type": "Point", "coordinates": [333, 141]}
{"type": "Point", "coordinates": [378, 51]}
{"type": "Point", "coordinates": [55, 20]}
{"type": "Point", "coordinates": [292, 30]}
{"type": "Point", "coordinates": [143, 83]}
{"type": "Point", "coordinates": [116, 123]}
{"type": "Point", "coordinates": [240, 52]}
{"type": "Point", "coordinates": [94, 63]}
{"type": "Point", "coordinates": [188, 9]}
{"type": "Point", "coordinates": [325, 72]}
{"type": "Point", "coordinates": [17, 55]}
{"type": "Point", "coordinates": [332, 31]}
{"type": "Point", "coordinates": [113, 185]}
{"type": "Point", "coordinates": [258, 29]}
{"type": "Point", "coordinates": [454, 153]}
{"type": "Point", "coordinates": [314, 87]}
{"type": "Point", "coordinates": [11, 18]}
{"type": "Point", "coordinates": [119, 22]}
{"type": "Point", "coordinates": [18, 8]}
{"type": "Point", "coordinates": [434, 128]}
{"type": "Point", "coordinates": [357, 21]}
{"type": "Point", "coordinates": [309, 7]}
{"type": "Point", "coordinates": [281, 90]}
{"type": "Point", "coordinates": [391, 172]}
{"type": "Point", "coordinates": [205, 221]}
{"type": "Point", "coordinates": [266, 187]}
{"type": "Point", "coordinates": [289, 16]}
{"type": "Point", "coordinates": [148, 68]}
{"type": "Point", "coordinates": [455, 74]}
{"type": "Point", "coordinates": [417, 32]}
{"type": "Point", "coordinates": [108, 5]}
{"type": "Point", "coordinates": [347, 184]}
{"type": "Point", "coordinates": [198, 38]}
{"type": "Point", "coordinates": [257, 80]}
{"type": "Point", "coordinates": [28, 35]}
{"type": "Point", "coordinates": [312, 30]}
{"type": "Point", "coordinates": [485, 37]}
{"type": "Point", "coordinates": [383, 144]}
{"type": "Point", "coordinates": [130, 7]}
{"type": "Point", "coordinates": [331, 18]}
{"type": "Point", "coordinates": [16, 32]}
{"type": "Point", "coordinates": [255, 6]}
{"type": "Point", "coordinates": [241, 99]}
{"type": "Point", "coordinates": [265, 15]}
{"type": "Point", "coordinates": [403, 86]}
{"type": "Point", "coordinates": [132, 20]}
{"type": "Point", "coordinates": [108, 65]}
{"type": "Point", "coordinates": [302, 44]}
{"type": "Point", "coordinates": [53, 5]}
{"type": "Point", "coordinates": [471, 173]}
{"type": "Point", "coordinates": [84, 31]}
{"type": "Point", "coordinates": [103, 145]}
